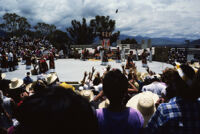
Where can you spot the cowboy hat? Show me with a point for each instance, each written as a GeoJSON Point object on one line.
{"type": "Point", "coordinates": [145, 103]}
{"type": "Point", "coordinates": [29, 87]}
{"type": "Point", "coordinates": [51, 78]}
{"type": "Point", "coordinates": [138, 74]}
{"type": "Point", "coordinates": [88, 94]}
{"type": "Point", "coordinates": [15, 83]}
{"type": "Point", "coordinates": [104, 104]}
{"type": "Point", "coordinates": [3, 75]}
{"type": "Point", "coordinates": [145, 76]}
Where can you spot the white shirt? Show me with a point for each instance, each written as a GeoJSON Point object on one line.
{"type": "Point", "coordinates": [10, 57]}
{"type": "Point", "coordinates": [155, 87]}
{"type": "Point", "coordinates": [98, 88]}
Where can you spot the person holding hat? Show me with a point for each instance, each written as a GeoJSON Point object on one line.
{"type": "Point", "coordinates": [117, 118]}
{"type": "Point", "coordinates": [181, 114]}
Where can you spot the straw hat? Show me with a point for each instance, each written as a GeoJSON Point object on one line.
{"type": "Point", "coordinates": [88, 94]}
{"type": "Point", "coordinates": [145, 103]}
{"type": "Point", "coordinates": [51, 78]}
{"type": "Point", "coordinates": [15, 83]}
{"type": "Point", "coordinates": [138, 74]}
{"type": "Point", "coordinates": [28, 87]}
{"type": "Point", "coordinates": [144, 76]}
{"type": "Point", "coordinates": [195, 66]}
{"type": "Point", "coordinates": [104, 104]}
{"type": "Point", "coordinates": [3, 75]}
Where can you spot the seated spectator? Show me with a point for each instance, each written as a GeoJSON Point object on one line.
{"type": "Point", "coordinates": [155, 87]}
{"type": "Point", "coordinates": [145, 103]}
{"type": "Point", "coordinates": [182, 113]}
{"type": "Point", "coordinates": [56, 110]}
{"type": "Point", "coordinates": [35, 87]}
{"type": "Point", "coordinates": [5, 112]}
{"type": "Point", "coordinates": [17, 90]}
{"type": "Point", "coordinates": [52, 79]}
{"type": "Point", "coordinates": [27, 80]}
{"type": "Point", "coordinates": [117, 118]}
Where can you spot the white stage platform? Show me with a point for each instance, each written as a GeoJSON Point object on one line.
{"type": "Point", "coordinates": [73, 70]}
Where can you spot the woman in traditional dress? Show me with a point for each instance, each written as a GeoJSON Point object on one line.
{"type": "Point", "coordinates": [51, 63]}
{"type": "Point", "coordinates": [129, 62]}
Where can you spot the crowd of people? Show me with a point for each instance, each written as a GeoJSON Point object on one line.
{"type": "Point", "coordinates": [30, 52]}
{"type": "Point", "coordinates": [177, 56]}
{"type": "Point", "coordinates": [121, 101]}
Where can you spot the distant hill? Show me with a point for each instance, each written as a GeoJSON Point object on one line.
{"type": "Point", "coordinates": [2, 33]}
{"type": "Point", "coordinates": [195, 42]}
{"type": "Point", "coordinates": [156, 41]}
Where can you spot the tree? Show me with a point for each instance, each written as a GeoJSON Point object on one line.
{"type": "Point", "coordinates": [129, 41]}
{"type": "Point", "coordinates": [58, 38]}
{"type": "Point", "coordinates": [80, 33]}
{"type": "Point", "coordinates": [15, 24]}
{"type": "Point", "coordinates": [114, 37]}
{"type": "Point", "coordinates": [43, 29]}
{"type": "Point", "coordinates": [104, 24]}
{"type": "Point", "coordinates": [23, 25]}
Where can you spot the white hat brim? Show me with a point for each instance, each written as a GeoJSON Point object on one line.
{"type": "Point", "coordinates": [19, 84]}
{"type": "Point", "coordinates": [3, 75]}
{"type": "Point", "coordinates": [104, 104]}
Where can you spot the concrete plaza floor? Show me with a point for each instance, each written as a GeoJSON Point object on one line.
{"type": "Point", "coordinates": [73, 70]}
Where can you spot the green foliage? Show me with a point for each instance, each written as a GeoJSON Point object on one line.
{"type": "Point", "coordinates": [44, 29]}
{"type": "Point", "coordinates": [58, 38]}
{"type": "Point", "coordinates": [104, 24]}
{"type": "Point", "coordinates": [129, 41]}
{"type": "Point", "coordinates": [80, 33]}
{"type": "Point", "coordinates": [15, 24]}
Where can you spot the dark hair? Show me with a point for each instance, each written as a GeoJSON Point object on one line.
{"type": "Point", "coordinates": [28, 73]}
{"type": "Point", "coordinates": [15, 93]}
{"type": "Point", "coordinates": [54, 110]}
{"type": "Point", "coordinates": [188, 71]}
{"type": "Point", "coordinates": [38, 85]}
{"type": "Point", "coordinates": [179, 87]}
{"type": "Point", "coordinates": [96, 81]}
{"type": "Point", "coordinates": [3, 130]}
{"type": "Point", "coordinates": [115, 85]}
{"type": "Point", "coordinates": [196, 86]}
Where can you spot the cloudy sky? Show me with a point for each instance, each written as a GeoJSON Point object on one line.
{"type": "Point", "coordinates": [153, 18]}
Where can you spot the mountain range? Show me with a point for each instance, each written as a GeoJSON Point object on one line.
{"type": "Point", "coordinates": [156, 41]}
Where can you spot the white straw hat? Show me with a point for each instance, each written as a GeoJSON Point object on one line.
{"type": "Point", "coordinates": [3, 75]}
{"type": "Point", "coordinates": [51, 78]}
{"type": "Point", "coordinates": [104, 104]}
{"type": "Point", "coordinates": [88, 94]}
{"type": "Point", "coordinates": [145, 103]}
{"type": "Point", "coordinates": [15, 83]}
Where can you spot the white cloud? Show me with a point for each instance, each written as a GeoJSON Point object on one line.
{"type": "Point", "coordinates": [154, 18]}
